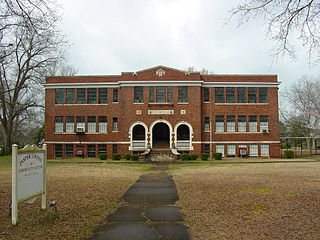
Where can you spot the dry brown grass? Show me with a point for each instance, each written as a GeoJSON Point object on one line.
{"type": "Point", "coordinates": [85, 195]}
{"type": "Point", "coordinates": [251, 201]}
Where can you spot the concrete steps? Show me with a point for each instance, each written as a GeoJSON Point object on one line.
{"type": "Point", "coordinates": [160, 156]}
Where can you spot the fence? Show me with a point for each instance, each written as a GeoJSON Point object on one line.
{"type": "Point", "coordinates": [301, 146]}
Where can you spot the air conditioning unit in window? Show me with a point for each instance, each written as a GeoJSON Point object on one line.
{"type": "Point", "coordinates": [265, 129]}
{"type": "Point", "coordinates": [80, 130]}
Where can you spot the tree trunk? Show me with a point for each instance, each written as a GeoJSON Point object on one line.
{"type": "Point", "coordinates": [7, 141]}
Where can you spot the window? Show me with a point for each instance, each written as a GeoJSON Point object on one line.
{"type": "Point", "coordinates": [102, 121]}
{"type": "Point", "coordinates": [220, 149]}
{"type": "Point", "coordinates": [253, 149]}
{"type": "Point", "coordinates": [81, 95]}
{"type": "Point", "coordinates": [161, 94]}
{"type": "Point", "coordinates": [230, 95]}
{"type": "Point", "coordinates": [91, 151]}
{"type": "Point", "coordinates": [219, 123]}
{"type": "Point", "coordinates": [114, 148]}
{"type": "Point", "coordinates": [243, 146]}
{"type": "Point", "coordinates": [58, 126]}
{"type": "Point", "coordinates": [183, 94]}
{"type": "Point", "coordinates": [115, 125]}
{"type": "Point", "coordinates": [264, 124]}
{"type": "Point", "coordinates": [91, 124]}
{"type": "Point", "coordinates": [253, 124]}
{"type": "Point", "coordinates": [151, 94]}
{"type": "Point", "coordinates": [264, 150]}
{"type": "Point", "coordinates": [81, 123]}
{"type": "Point", "coordinates": [69, 150]}
{"type": "Point", "coordinates": [263, 95]}
{"type": "Point", "coordinates": [252, 94]}
{"type": "Point", "coordinates": [219, 94]}
{"type": "Point", "coordinates": [115, 95]}
{"type": "Point", "coordinates": [103, 96]}
{"type": "Point", "coordinates": [59, 95]}
{"type": "Point", "coordinates": [70, 96]}
{"type": "Point", "coordinates": [206, 124]}
{"type": "Point", "coordinates": [242, 123]}
{"type": "Point", "coordinates": [207, 148]}
{"type": "Point", "coordinates": [231, 124]}
{"type": "Point", "coordinates": [58, 150]}
{"type": "Point", "coordinates": [169, 94]}
{"type": "Point", "coordinates": [206, 95]}
{"type": "Point", "coordinates": [102, 148]}
{"type": "Point", "coordinates": [69, 124]}
{"type": "Point", "coordinates": [138, 94]}
{"type": "Point", "coordinates": [92, 95]}
{"type": "Point", "coordinates": [241, 95]}
{"type": "Point", "coordinates": [231, 150]}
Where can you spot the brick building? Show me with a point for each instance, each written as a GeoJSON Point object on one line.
{"type": "Point", "coordinates": [162, 109]}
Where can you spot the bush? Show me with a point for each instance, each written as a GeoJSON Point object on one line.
{"type": "Point", "coordinates": [194, 156]}
{"type": "Point", "coordinates": [127, 156]}
{"type": "Point", "coordinates": [185, 156]}
{"type": "Point", "coordinates": [116, 156]}
{"type": "Point", "coordinates": [103, 156]}
{"type": "Point", "coordinates": [134, 157]}
{"type": "Point", "coordinates": [217, 156]}
{"type": "Point", "coordinates": [205, 156]}
{"type": "Point", "coordinates": [288, 153]}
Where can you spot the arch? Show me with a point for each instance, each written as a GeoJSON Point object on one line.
{"type": "Point", "coordinates": [190, 132]}
{"type": "Point", "coordinates": [131, 136]}
{"type": "Point", "coordinates": [170, 130]}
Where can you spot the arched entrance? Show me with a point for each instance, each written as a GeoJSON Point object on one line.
{"type": "Point", "coordinates": [138, 136]}
{"type": "Point", "coordinates": [160, 136]}
{"type": "Point", "coordinates": [138, 132]}
{"type": "Point", "coordinates": [183, 136]}
{"type": "Point", "coordinates": [183, 132]}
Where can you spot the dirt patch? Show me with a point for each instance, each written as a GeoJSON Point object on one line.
{"type": "Point", "coordinates": [85, 195]}
{"type": "Point", "coordinates": [260, 201]}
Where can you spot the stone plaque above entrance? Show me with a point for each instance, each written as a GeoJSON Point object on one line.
{"type": "Point", "coordinates": [160, 111]}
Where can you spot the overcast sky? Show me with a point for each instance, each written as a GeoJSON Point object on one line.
{"type": "Point", "coordinates": [114, 36]}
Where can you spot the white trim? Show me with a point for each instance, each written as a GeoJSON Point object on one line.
{"type": "Point", "coordinates": [190, 132]}
{"type": "Point", "coordinates": [131, 133]}
{"type": "Point", "coordinates": [239, 142]}
{"type": "Point", "coordinates": [82, 85]}
{"type": "Point", "coordinates": [160, 83]}
{"type": "Point", "coordinates": [170, 130]}
{"type": "Point", "coordinates": [53, 142]}
{"type": "Point", "coordinates": [240, 84]}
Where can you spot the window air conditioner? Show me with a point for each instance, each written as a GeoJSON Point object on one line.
{"type": "Point", "coordinates": [80, 129]}
{"type": "Point", "coordinates": [265, 129]}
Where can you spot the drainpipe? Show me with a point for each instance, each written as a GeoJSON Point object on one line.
{"type": "Point", "coordinates": [210, 124]}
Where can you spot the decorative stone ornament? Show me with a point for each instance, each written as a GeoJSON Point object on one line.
{"type": "Point", "coordinates": [160, 72]}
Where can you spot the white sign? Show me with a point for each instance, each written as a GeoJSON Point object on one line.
{"type": "Point", "coordinates": [30, 168]}
{"type": "Point", "coordinates": [28, 177]}
{"type": "Point", "coordinates": [160, 111]}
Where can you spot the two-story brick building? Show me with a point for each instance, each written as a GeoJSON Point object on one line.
{"type": "Point", "coordinates": [162, 109]}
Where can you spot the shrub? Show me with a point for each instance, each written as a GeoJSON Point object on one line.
{"type": "Point", "coordinates": [217, 156]}
{"type": "Point", "coordinates": [134, 157]}
{"type": "Point", "coordinates": [204, 156]}
{"type": "Point", "coordinates": [116, 156]}
{"type": "Point", "coordinates": [127, 156]}
{"type": "Point", "coordinates": [194, 156]}
{"type": "Point", "coordinates": [185, 157]}
{"type": "Point", "coordinates": [103, 156]}
{"type": "Point", "coordinates": [288, 153]}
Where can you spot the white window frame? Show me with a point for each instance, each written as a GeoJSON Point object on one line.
{"type": "Point", "coordinates": [253, 126]}
{"type": "Point", "coordinates": [265, 150]}
{"type": "Point", "coordinates": [58, 127]}
{"type": "Point", "coordinates": [231, 126]}
{"type": "Point", "coordinates": [92, 127]}
{"type": "Point", "coordinates": [219, 126]}
{"type": "Point", "coordinates": [242, 126]}
{"type": "Point", "coordinates": [220, 149]}
{"type": "Point", "coordinates": [102, 127]}
{"type": "Point", "coordinates": [253, 149]}
{"type": "Point", "coordinates": [70, 127]}
{"type": "Point", "coordinates": [231, 150]}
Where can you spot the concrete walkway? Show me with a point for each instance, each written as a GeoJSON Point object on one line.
{"type": "Point", "coordinates": [149, 213]}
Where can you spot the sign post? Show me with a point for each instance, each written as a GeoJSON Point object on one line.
{"type": "Point", "coordinates": [28, 177]}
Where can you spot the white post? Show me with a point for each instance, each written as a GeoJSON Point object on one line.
{"type": "Point", "coordinates": [44, 194]}
{"type": "Point", "coordinates": [14, 209]}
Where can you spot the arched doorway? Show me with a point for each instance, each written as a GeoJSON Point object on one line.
{"type": "Point", "coordinates": [138, 136]}
{"type": "Point", "coordinates": [183, 136]}
{"type": "Point", "coordinates": [161, 136]}
{"type": "Point", "coordinates": [138, 132]}
{"type": "Point", "coordinates": [183, 132]}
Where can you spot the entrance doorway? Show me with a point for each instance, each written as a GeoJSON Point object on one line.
{"type": "Point", "coordinates": [160, 136]}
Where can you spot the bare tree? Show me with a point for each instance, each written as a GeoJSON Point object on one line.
{"type": "Point", "coordinates": [303, 102]}
{"type": "Point", "coordinates": [30, 45]}
{"type": "Point", "coordinates": [287, 20]}
{"type": "Point", "coordinates": [193, 69]}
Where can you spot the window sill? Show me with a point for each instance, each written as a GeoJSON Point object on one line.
{"type": "Point", "coordinates": [161, 104]}
{"type": "Point", "coordinates": [238, 132]}
{"type": "Point", "coordinates": [183, 102]}
{"type": "Point", "coordinates": [115, 131]}
{"type": "Point", "coordinates": [241, 104]}
{"type": "Point", "coordinates": [138, 103]}
{"type": "Point", "coordinates": [115, 102]}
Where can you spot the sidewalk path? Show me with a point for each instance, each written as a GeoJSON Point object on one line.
{"type": "Point", "coordinates": [149, 213]}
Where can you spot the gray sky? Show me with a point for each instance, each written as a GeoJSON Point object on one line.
{"type": "Point", "coordinates": [114, 36]}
